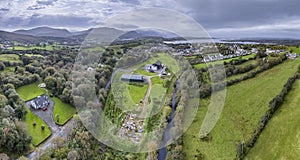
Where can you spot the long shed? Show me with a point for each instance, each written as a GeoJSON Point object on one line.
{"type": "Point", "coordinates": [132, 78]}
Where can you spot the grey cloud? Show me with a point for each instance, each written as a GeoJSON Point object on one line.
{"type": "Point", "coordinates": [4, 9]}
{"type": "Point", "coordinates": [232, 13]}
{"type": "Point", "coordinates": [224, 15]}
{"type": "Point", "coordinates": [134, 2]}
{"type": "Point", "coordinates": [41, 4]}
{"type": "Point", "coordinates": [46, 20]}
{"type": "Point", "coordinates": [35, 7]}
{"type": "Point", "coordinates": [46, 2]}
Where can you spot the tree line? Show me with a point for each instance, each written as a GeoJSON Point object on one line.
{"type": "Point", "coordinates": [13, 134]}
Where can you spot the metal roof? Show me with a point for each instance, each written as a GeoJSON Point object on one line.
{"type": "Point", "coordinates": [132, 77]}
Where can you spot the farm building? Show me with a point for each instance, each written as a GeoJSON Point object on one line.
{"type": "Point", "coordinates": [158, 65]}
{"type": "Point", "coordinates": [155, 67]}
{"type": "Point", "coordinates": [40, 102]}
{"type": "Point", "coordinates": [132, 78]}
{"type": "Point", "coordinates": [292, 55]}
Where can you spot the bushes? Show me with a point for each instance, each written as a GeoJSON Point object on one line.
{"type": "Point", "coordinates": [2, 66]}
{"type": "Point", "coordinates": [218, 84]}
{"type": "Point", "coordinates": [252, 74]}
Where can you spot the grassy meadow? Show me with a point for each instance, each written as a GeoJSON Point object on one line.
{"type": "Point", "coordinates": [64, 110]}
{"type": "Point", "coordinates": [245, 103]}
{"type": "Point", "coordinates": [30, 91]}
{"type": "Point", "coordinates": [294, 49]}
{"type": "Point", "coordinates": [281, 137]}
{"type": "Point", "coordinates": [9, 58]}
{"type": "Point", "coordinates": [137, 92]}
{"type": "Point", "coordinates": [24, 48]}
{"type": "Point", "coordinates": [38, 135]}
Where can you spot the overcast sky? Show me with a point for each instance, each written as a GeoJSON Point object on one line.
{"type": "Point", "coordinates": [221, 18]}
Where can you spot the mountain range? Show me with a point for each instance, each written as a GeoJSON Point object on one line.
{"type": "Point", "coordinates": [38, 34]}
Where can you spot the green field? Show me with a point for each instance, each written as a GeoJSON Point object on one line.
{"type": "Point", "coordinates": [23, 48]}
{"type": "Point", "coordinates": [30, 91]}
{"type": "Point", "coordinates": [245, 103]}
{"type": "Point", "coordinates": [281, 137]}
{"type": "Point", "coordinates": [157, 80]}
{"type": "Point", "coordinates": [203, 65]}
{"type": "Point", "coordinates": [9, 58]}
{"type": "Point", "coordinates": [64, 110]}
{"type": "Point", "coordinates": [294, 49]}
{"type": "Point", "coordinates": [157, 92]}
{"type": "Point", "coordinates": [27, 93]}
{"type": "Point", "coordinates": [96, 49]}
{"type": "Point", "coordinates": [237, 76]}
{"type": "Point", "coordinates": [137, 92]}
{"type": "Point", "coordinates": [127, 95]}
{"type": "Point", "coordinates": [142, 71]}
{"type": "Point", "coordinates": [132, 94]}
{"type": "Point", "coordinates": [38, 135]}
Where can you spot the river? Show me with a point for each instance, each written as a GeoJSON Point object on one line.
{"type": "Point", "coordinates": [162, 153]}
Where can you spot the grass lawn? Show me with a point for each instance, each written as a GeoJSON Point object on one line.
{"type": "Point", "coordinates": [157, 94]}
{"type": "Point", "coordinates": [127, 95]}
{"type": "Point", "coordinates": [156, 105]}
{"type": "Point", "coordinates": [281, 137]}
{"type": "Point", "coordinates": [9, 58]}
{"type": "Point", "coordinates": [65, 111]}
{"type": "Point", "coordinates": [294, 49]}
{"type": "Point", "coordinates": [203, 65]}
{"type": "Point", "coordinates": [30, 91]}
{"type": "Point", "coordinates": [142, 71]}
{"type": "Point", "coordinates": [23, 48]}
{"type": "Point", "coordinates": [245, 103]}
{"type": "Point", "coordinates": [38, 135]}
{"type": "Point", "coordinates": [137, 92]}
{"type": "Point", "coordinates": [157, 80]}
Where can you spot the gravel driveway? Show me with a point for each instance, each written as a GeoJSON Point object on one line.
{"type": "Point", "coordinates": [46, 116]}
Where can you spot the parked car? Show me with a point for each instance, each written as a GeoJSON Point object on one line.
{"type": "Point", "coordinates": [45, 109]}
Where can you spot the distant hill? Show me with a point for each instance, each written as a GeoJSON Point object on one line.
{"type": "Point", "coordinates": [147, 33]}
{"type": "Point", "coordinates": [45, 32]}
{"type": "Point", "coordinates": [41, 34]}
{"type": "Point", "coordinates": [85, 32]}
{"type": "Point", "coordinates": [8, 36]}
